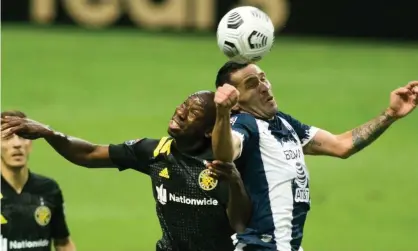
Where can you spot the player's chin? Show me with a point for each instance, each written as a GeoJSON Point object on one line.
{"type": "Point", "coordinates": [173, 132]}
{"type": "Point", "coordinates": [271, 111]}
{"type": "Point", "coordinates": [16, 164]}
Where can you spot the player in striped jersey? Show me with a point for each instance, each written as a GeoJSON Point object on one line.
{"type": "Point", "coordinates": [268, 147]}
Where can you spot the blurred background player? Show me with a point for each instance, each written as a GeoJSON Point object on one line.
{"type": "Point", "coordinates": [191, 203]}
{"type": "Point", "coordinates": [32, 214]}
{"type": "Point", "coordinates": [269, 147]}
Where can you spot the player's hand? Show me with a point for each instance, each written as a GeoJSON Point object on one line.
{"type": "Point", "coordinates": [24, 127]}
{"type": "Point", "coordinates": [223, 170]}
{"type": "Point", "coordinates": [403, 100]}
{"type": "Point", "coordinates": [226, 97]}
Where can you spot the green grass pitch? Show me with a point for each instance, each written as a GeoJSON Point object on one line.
{"type": "Point", "coordinates": [112, 86]}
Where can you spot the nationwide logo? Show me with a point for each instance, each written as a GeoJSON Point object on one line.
{"type": "Point", "coordinates": [22, 244]}
{"type": "Point", "coordinates": [163, 197]}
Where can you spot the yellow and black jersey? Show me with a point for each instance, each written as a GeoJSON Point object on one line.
{"type": "Point", "coordinates": [32, 219]}
{"type": "Point", "coordinates": [191, 206]}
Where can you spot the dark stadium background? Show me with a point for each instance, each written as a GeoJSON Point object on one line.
{"type": "Point", "coordinates": [333, 66]}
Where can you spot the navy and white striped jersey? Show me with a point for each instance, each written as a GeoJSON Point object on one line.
{"type": "Point", "coordinates": [273, 169]}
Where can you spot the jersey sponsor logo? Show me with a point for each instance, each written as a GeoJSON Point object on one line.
{"type": "Point", "coordinates": [42, 214]}
{"type": "Point", "coordinates": [302, 191]}
{"type": "Point", "coordinates": [292, 154]}
{"type": "Point", "coordinates": [302, 195]}
{"type": "Point", "coordinates": [163, 196]}
{"type": "Point", "coordinates": [7, 245]}
{"type": "Point", "coordinates": [206, 182]}
{"type": "Point", "coordinates": [164, 173]}
{"type": "Point", "coordinates": [2, 219]}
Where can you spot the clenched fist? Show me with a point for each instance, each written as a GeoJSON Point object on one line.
{"type": "Point", "coordinates": [226, 97]}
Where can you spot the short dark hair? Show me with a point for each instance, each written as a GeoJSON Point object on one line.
{"type": "Point", "coordinates": [14, 113]}
{"type": "Point", "coordinates": [224, 73]}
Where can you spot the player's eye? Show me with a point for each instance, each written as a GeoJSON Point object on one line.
{"type": "Point", "coordinates": [252, 83]}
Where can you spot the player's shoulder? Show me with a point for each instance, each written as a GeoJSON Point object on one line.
{"type": "Point", "coordinates": [288, 118]}
{"type": "Point", "coordinates": [151, 145]}
{"type": "Point", "coordinates": [243, 119]}
{"type": "Point", "coordinates": [43, 183]}
{"type": "Point", "coordinates": [284, 115]}
{"type": "Point", "coordinates": [154, 142]}
{"type": "Point", "coordinates": [140, 141]}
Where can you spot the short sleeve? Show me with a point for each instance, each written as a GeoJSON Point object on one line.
{"type": "Point", "coordinates": [304, 132]}
{"type": "Point", "coordinates": [58, 222]}
{"type": "Point", "coordinates": [133, 154]}
{"type": "Point", "coordinates": [245, 127]}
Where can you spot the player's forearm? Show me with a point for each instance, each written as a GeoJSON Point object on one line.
{"type": "Point", "coordinates": [239, 206]}
{"type": "Point", "coordinates": [222, 142]}
{"type": "Point", "coordinates": [75, 150]}
{"type": "Point", "coordinates": [362, 136]}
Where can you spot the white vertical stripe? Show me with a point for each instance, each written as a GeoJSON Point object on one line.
{"type": "Point", "coordinates": [279, 174]}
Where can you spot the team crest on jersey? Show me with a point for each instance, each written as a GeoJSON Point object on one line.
{"type": "Point", "coordinates": [43, 215]}
{"type": "Point", "coordinates": [206, 182]}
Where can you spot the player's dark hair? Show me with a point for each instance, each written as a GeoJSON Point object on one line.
{"type": "Point", "coordinates": [14, 113]}
{"type": "Point", "coordinates": [224, 73]}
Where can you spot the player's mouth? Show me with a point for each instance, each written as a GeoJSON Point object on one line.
{"type": "Point", "coordinates": [174, 124]}
{"type": "Point", "coordinates": [18, 155]}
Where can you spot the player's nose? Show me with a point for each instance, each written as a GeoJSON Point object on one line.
{"type": "Point", "coordinates": [265, 86]}
{"type": "Point", "coordinates": [16, 142]}
{"type": "Point", "coordinates": [181, 112]}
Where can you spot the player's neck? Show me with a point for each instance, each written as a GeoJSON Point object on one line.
{"type": "Point", "coordinates": [16, 177]}
{"type": "Point", "coordinates": [191, 147]}
{"type": "Point", "coordinates": [257, 114]}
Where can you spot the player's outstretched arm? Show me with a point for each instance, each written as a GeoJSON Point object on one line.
{"type": "Point", "coordinates": [402, 102]}
{"type": "Point", "coordinates": [77, 151]}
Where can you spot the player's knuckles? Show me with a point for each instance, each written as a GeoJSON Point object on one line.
{"type": "Point", "coordinates": [413, 83]}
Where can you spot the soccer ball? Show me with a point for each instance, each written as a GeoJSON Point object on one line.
{"type": "Point", "coordinates": [245, 34]}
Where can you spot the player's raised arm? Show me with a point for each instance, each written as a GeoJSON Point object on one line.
{"type": "Point", "coordinates": [226, 144]}
{"type": "Point", "coordinates": [402, 102]}
{"type": "Point", "coordinates": [77, 151]}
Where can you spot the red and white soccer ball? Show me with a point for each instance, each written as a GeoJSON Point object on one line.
{"type": "Point", "coordinates": [245, 34]}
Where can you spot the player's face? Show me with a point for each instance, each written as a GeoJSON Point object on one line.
{"type": "Point", "coordinates": [15, 151]}
{"type": "Point", "coordinates": [193, 117]}
{"type": "Point", "coordinates": [256, 96]}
